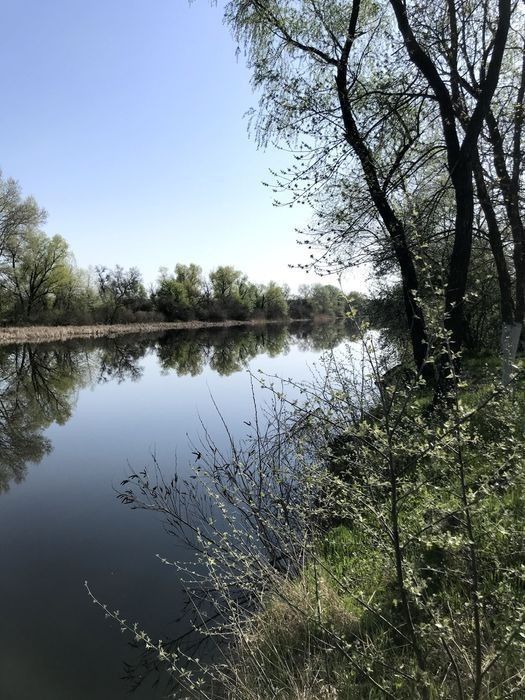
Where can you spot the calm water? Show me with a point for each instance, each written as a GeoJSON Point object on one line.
{"type": "Point", "coordinates": [75, 419]}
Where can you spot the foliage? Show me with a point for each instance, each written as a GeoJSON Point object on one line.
{"type": "Point", "coordinates": [39, 282]}
{"type": "Point", "coordinates": [180, 296]}
{"type": "Point", "coordinates": [17, 216]}
{"type": "Point", "coordinates": [120, 289]}
{"type": "Point", "coordinates": [360, 543]}
{"type": "Point", "coordinates": [39, 273]}
{"type": "Point", "coordinates": [404, 123]}
{"type": "Point", "coordinates": [274, 301]}
{"type": "Point", "coordinates": [327, 300]}
{"type": "Point", "coordinates": [384, 308]}
{"type": "Point", "coordinates": [36, 271]}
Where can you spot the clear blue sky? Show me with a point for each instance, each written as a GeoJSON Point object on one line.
{"type": "Point", "coordinates": [125, 120]}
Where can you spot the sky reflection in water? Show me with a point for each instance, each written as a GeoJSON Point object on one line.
{"type": "Point", "coordinates": [75, 419]}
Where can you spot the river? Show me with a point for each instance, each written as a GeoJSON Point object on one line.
{"type": "Point", "coordinates": [75, 419]}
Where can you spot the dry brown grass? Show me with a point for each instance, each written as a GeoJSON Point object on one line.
{"type": "Point", "coordinates": [286, 651]}
{"type": "Point", "coordinates": [46, 334]}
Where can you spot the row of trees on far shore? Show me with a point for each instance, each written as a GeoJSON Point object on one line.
{"type": "Point", "coordinates": [40, 283]}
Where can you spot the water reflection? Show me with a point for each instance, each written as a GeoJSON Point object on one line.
{"type": "Point", "coordinates": [319, 337]}
{"type": "Point", "coordinates": [225, 350]}
{"type": "Point", "coordinates": [64, 526]}
{"type": "Point", "coordinates": [118, 359]}
{"type": "Point", "coordinates": [39, 384]}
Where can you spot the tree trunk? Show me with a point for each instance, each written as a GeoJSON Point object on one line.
{"type": "Point", "coordinates": [460, 257]}
{"type": "Point", "coordinates": [496, 246]}
{"type": "Point", "coordinates": [414, 312]}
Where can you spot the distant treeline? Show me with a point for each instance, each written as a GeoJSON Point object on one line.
{"type": "Point", "coordinates": [40, 283]}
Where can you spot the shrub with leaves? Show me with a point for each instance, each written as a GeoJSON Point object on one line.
{"type": "Point", "coordinates": [363, 542]}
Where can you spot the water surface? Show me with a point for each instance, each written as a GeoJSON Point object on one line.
{"type": "Point", "coordinates": [75, 419]}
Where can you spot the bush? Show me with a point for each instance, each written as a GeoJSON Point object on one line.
{"type": "Point", "coordinates": [419, 595]}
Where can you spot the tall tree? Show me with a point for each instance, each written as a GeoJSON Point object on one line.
{"type": "Point", "coordinates": [190, 276]}
{"type": "Point", "coordinates": [274, 301]}
{"type": "Point", "coordinates": [34, 270]}
{"type": "Point", "coordinates": [17, 215]}
{"type": "Point", "coordinates": [358, 90]}
{"type": "Point", "coordinates": [225, 282]}
{"type": "Point", "coordinates": [459, 147]}
{"type": "Point", "coordinates": [19, 218]}
{"type": "Point", "coordinates": [119, 289]}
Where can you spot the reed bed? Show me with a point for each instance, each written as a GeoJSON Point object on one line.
{"type": "Point", "coordinates": [46, 334]}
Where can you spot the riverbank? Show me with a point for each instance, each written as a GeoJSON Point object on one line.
{"type": "Point", "coordinates": [385, 549]}
{"type": "Point", "coordinates": [46, 334]}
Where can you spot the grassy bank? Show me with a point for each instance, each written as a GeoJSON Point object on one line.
{"type": "Point", "coordinates": [382, 550]}
{"type": "Point", "coordinates": [420, 593]}
{"type": "Point", "coordinates": [46, 334]}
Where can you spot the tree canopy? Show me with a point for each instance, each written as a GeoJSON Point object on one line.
{"type": "Point", "coordinates": [41, 283]}
{"type": "Point", "coordinates": [391, 109]}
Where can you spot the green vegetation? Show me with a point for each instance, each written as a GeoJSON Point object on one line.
{"type": "Point", "coordinates": [366, 541]}
{"type": "Point", "coordinates": [420, 594]}
{"type": "Point", "coordinates": [405, 123]}
{"type": "Point", "coordinates": [363, 543]}
{"type": "Point", "coordinates": [41, 284]}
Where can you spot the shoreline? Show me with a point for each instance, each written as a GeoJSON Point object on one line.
{"type": "Point", "coordinates": [48, 334]}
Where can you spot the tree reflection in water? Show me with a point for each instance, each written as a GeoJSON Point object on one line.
{"type": "Point", "coordinates": [39, 384]}
{"type": "Point", "coordinates": [225, 350]}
